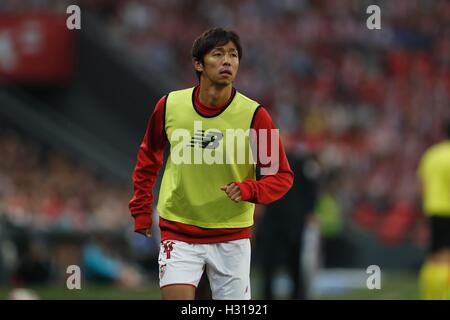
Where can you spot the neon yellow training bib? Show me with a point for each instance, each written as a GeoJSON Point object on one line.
{"type": "Point", "coordinates": [205, 154]}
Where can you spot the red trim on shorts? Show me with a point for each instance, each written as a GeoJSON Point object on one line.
{"type": "Point", "coordinates": [178, 284]}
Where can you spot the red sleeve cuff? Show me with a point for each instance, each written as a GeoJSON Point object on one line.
{"type": "Point", "coordinates": [246, 192]}
{"type": "Point", "coordinates": [142, 221]}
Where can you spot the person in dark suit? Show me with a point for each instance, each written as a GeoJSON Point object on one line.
{"type": "Point", "coordinates": [279, 235]}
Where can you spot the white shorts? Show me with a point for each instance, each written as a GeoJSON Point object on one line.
{"type": "Point", "coordinates": [227, 266]}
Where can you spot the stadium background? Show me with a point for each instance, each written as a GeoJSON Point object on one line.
{"type": "Point", "coordinates": [74, 106]}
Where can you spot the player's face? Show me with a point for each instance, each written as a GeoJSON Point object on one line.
{"type": "Point", "coordinates": [220, 65]}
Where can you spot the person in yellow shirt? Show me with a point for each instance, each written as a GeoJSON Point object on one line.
{"type": "Point", "coordinates": [434, 175]}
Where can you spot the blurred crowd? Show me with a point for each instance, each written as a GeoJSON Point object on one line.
{"type": "Point", "coordinates": [363, 104]}
{"type": "Point", "coordinates": [367, 102]}
{"type": "Point", "coordinates": [55, 212]}
{"type": "Point", "coordinates": [43, 189]}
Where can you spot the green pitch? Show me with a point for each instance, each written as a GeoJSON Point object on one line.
{"type": "Point", "coordinates": [395, 286]}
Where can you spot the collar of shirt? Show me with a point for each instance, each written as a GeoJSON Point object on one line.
{"type": "Point", "coordinates": [209, 111]}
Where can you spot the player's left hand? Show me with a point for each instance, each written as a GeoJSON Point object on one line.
{"type": "Point", "coordinates": [233, 192]}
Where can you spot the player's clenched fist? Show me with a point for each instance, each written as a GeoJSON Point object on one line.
{"type": "Point", "coordinates": [233, 191]}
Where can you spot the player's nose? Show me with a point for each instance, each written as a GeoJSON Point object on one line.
{"type": "Point", "coordinates": [226, 60]}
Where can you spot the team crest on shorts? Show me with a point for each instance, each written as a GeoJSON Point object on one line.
{"type": "Point", "coordinates": [162, 271]}
{"type": "Point", "coordinates": [168, 247]}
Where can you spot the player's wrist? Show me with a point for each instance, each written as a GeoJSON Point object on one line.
{"type": "Point", "coordinates": [246, 192]}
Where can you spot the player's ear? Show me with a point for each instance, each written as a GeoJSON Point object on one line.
{"type": "Point", "coordinates": [198, 66]}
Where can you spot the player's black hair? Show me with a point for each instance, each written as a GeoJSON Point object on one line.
{"type": "Point", "coordinates": [212, 38]}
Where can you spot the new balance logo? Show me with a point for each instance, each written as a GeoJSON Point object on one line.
{"type": "Point", "coordinates": [225, 146]}
{"type": "Point", "coordinates": [209, 140]}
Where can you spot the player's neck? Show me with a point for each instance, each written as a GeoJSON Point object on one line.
{"type": "Point", "coordinates": [214, 96]}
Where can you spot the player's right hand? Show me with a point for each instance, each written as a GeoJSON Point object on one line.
{"type": "Point", "coordinates": [233, 191]}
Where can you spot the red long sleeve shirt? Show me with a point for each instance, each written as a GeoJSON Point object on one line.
{"type": "Point", "coordinates": [150, 159]}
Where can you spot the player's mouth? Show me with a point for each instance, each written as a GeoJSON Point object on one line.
{"type": "Point", "coordinates": [226, 72]}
